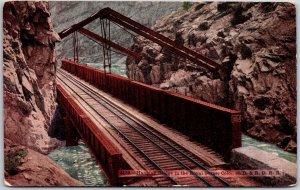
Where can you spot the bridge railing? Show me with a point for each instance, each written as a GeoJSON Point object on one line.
{"type": "Point", "coordinates": [211, 125]}
{"type": "Point", "coordinates": [103, 150]}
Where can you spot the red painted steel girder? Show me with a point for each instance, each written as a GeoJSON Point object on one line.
{"type": "Point", "coordinates": [111, 159]}
{"type": "Point", "coordinates": [214, 126]}
{"type": "Point", "coordinates": [163, 44]}
{"type": "Point", "coordinates": [96, 37]}
{"type": "Point", "coordinates": [158, 38]}
{"type": "Point", "coordinates": [146, 32]}
{"type": "Point", "coordinates": [100, 14]}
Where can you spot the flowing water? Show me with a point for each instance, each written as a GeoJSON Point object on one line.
{"type": "Point", "coordinates": [248, 141]}
{"type": "Point", "coordinates": [79, 164]}
{"type": "Point", "coordinates": [117, 67]}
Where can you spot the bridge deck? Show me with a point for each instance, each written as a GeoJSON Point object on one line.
{"type": "Point", "coordinates": [133, 159]}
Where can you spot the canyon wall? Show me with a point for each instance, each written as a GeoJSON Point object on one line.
{"type": "Point", "coordinates": [29, 72]}
{"type": "Point", "coordinates": [255, 43]}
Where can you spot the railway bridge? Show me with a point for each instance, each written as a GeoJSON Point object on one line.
{"type": "Point", "coordinates": [131, 127]}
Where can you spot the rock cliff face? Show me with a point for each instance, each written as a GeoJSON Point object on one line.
{"type": "Point", "coordinates": [29, 73]}
{"type": "Point", "coordinates": [256, 45]}
{"type": "Point", "coordinates": [66, 13]}
{"type": "Point", "coordinates": [29, 77]}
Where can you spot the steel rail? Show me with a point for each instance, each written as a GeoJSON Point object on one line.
{"type": "Point", "coordinates": [155, 144]}
{"type": "Point", "coordinates": [153, 134]}
{"type": "Point", "coordinates": [150, 140]}
{"type": "Point", "coordinates": [120, 132]}
{"type": "Point", "coordinates": [143, 124]}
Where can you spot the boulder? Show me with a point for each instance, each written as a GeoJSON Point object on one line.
{"type": "Point", "coordinates": [272, 170]}
{"type": "Point", "coordinates": [26, 167]}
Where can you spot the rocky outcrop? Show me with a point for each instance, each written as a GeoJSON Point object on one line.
{"type": "Point", "coordinates": [26, 167]}
{"type": "Point", "coordinates": [256, 45]}
{"type": "Point", "coordinates": [66, 13]}
{"type": "Point", "coordinates": [29, 74]}
{"type": "Point", "coordinates": [29, 68]}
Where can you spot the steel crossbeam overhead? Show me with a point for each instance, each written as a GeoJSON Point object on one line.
{"type": "Point", "coordinates": [100, 14]}
{"type": "Point", "coordinates": [98, 38]}
{"type": "Point", "coordinates": [146, 32]}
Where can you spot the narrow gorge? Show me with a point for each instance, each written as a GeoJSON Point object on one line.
{"type": "Point", "coordinates": [253, 43]}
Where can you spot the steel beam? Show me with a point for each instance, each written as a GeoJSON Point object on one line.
{"type": "Point", "coordinates": [166, 45]}
{"type": "Point", "coordinates": [98, 38]}
{"type": "Point", "coordinates": [146, 32]}
{"type": "Point", "coordinates": [160, 37]}
{"type": "Point", "coordinates": [100, 14]}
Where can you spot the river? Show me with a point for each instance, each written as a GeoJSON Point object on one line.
{"type": "Point", "coordinates": [78, 162]}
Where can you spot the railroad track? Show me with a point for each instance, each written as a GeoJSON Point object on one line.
{"type": "Point", "coordinates": [158, 152]}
